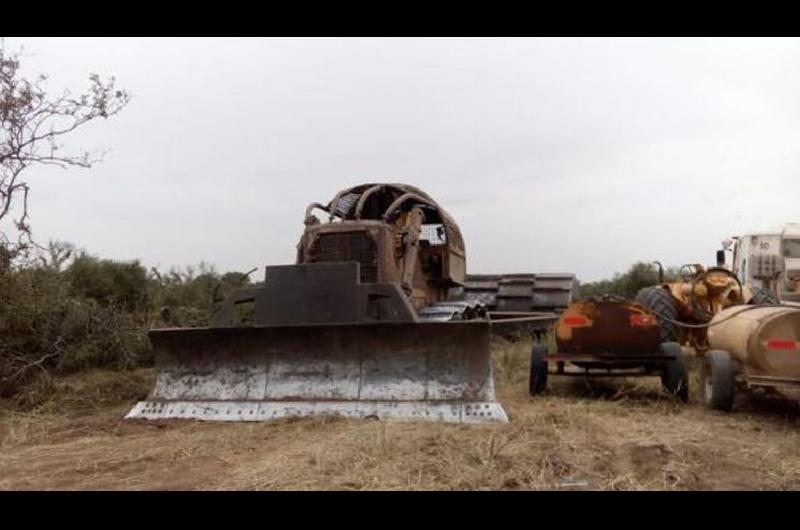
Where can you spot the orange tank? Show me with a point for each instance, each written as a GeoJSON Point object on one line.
{"type": "Point", "coordinates": [607, 326]}
{"type": "Point", "coordinates": [610, 336]}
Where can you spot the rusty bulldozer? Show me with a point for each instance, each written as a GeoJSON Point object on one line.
{"type": "Point", "coordinates": [362, 325]}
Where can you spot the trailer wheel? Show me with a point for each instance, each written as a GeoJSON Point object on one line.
{"type": "Point", "coordinates": [674, 375]}
{"type": "Point", "coordinates": [538, 378]}
{"type": "Point", "coordinates": [718, 379]}
{"type": "Point", "coordinates": [763, 296]}
{"type": "Point", "coordinates": [660, 301]}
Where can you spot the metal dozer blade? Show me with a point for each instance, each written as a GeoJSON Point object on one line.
{"type": "Point", "coordinates": [360, 327]}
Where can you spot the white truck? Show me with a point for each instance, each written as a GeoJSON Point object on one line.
{"type": "Point", "coordinates": [769, 260]}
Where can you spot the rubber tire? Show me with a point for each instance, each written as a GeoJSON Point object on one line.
{"type": "Point", "coordinates": [537, 383]}
{"type": "Point", "coordinates": [675, 375]}
{"type": "Point", "coordinates": [763, 296]}
{"type": "Point", "coordinates": [718, 380]}
{"type": "Point", "coordinates": [659, 300]}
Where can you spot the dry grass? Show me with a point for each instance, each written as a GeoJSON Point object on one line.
{"type": "Point", "coordinates": [617, 435]}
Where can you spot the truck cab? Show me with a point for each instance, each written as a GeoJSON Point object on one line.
{"type": "Point", "coordinates": [769, 260]}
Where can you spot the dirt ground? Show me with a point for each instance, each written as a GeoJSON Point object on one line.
{"type": "Point", "coordinates": [619, 435]}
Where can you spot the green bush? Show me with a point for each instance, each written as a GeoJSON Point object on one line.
{"type": "Point", "coordinates": [189, 297]}
{"type": "Point", "coordinates": [44, 329]}
{"type": "Point", "coordinates": [110, 283]}
{"type": "Point", "coordinates": [95, 313]}
{"type": "Point", "coordinates": [639, 276]}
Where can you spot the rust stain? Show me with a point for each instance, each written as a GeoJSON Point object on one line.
{"type": "Point", "coordinates": [616, 326]}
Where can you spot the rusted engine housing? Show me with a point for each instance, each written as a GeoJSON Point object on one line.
{"type": "Point", "coordinates": [397, 233]}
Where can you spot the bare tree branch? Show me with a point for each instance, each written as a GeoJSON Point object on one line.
{"type": "Point", "coordinates": [32, 127]}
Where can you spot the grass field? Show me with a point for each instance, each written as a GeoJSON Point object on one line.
{"type": "Point", "coordinates": [615, 435]}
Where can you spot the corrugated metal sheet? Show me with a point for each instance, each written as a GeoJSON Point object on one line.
{"type": "Point", "coordinates": [522, 292]}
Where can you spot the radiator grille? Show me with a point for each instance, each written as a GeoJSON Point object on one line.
{"type": "Point", "coordinates": [348, 246]}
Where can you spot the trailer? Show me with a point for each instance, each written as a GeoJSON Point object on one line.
{"type": "Point", "coordinates": [609, 336]}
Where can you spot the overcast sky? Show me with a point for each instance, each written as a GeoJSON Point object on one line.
{"type": "Point", "coordinates": [557, 154]}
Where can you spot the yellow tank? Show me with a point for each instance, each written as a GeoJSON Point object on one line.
{"type": "Point", "coordinates": [764, 339]}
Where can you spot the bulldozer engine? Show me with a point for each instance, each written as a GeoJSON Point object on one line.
{"type": "Point", "coordinates": [397, 233]}
{"type": "Point", "coordinates": [361, 326]}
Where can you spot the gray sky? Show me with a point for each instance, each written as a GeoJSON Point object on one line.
{"type": "Point", "coordinates": [555, 154]}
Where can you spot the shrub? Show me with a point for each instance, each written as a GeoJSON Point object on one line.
{"type": "Point", "coordinates": [43, 329]}
{"type": "Point", "coordinates": [110, 283]}
{"type": "Point", "coordinates": [639, 275]}
{"type": "Point", "coordinates": [95, 313]}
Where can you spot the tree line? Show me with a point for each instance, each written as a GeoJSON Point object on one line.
{"type": "Point", "coordinates": [640, 275]}
{"type": "Point", "coordinates": [68, 311]}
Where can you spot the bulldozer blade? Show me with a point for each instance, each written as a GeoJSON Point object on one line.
{"type": "Point", "coordinates": [438, 371]}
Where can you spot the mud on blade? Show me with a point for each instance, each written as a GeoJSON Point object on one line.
{"type": "Point", "coordinates": [439, 371]}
